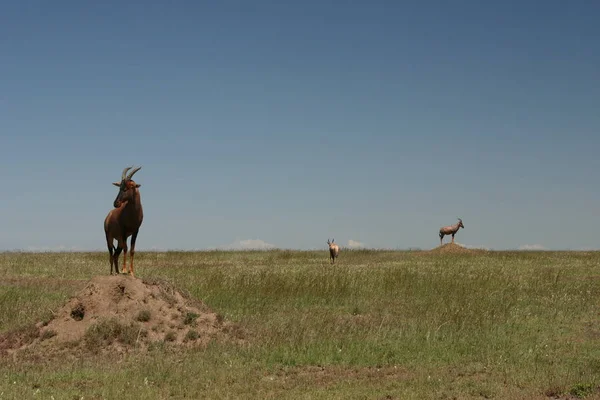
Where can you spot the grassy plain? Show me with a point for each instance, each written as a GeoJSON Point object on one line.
{"type": "Point", "coordinates": [377, 325]}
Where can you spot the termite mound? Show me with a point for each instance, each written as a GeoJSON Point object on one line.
{"type": "Point", "coordinates": [121, 314]}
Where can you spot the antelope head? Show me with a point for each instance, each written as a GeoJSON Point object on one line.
{"type": "Point", "coordinates": [460, 224]}
{"type": "Point", "coordinates": [331, 243]}
{"type": "Point", "coordinates": [127, 187]}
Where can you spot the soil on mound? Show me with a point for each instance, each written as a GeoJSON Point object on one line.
{"type": "Point", "coordinates": [453, 248]}
{"type": "Point", "coordinates": [118, 313]}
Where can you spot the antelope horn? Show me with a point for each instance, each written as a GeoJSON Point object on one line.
{"type": "Point", "coordinates": [124, 172]}
{"type": "Point", "coordinates": [133, 172]}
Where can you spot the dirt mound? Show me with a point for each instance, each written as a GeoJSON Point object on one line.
{"type": "Point", "coordinates": [453, 248]}
{"type": "Point", "coordinates": [118, 313]}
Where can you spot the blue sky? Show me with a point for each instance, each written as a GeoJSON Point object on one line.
{"type": "Point", "coordinates": [285, 122]}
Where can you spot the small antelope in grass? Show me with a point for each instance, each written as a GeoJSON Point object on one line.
{"type": "Point", "coordinates": [124, 220]}
{"type": "Point", "coordinates": [451, 230]}
{"type": "Point", "coordinates": [334, 250]}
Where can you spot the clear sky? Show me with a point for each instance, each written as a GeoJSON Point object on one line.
{"type": "Point", "coordinates": [288, 122]}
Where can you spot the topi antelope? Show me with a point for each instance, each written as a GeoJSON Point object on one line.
{"type": "Point", "coordinates": [124, 221]}
{"type": "Point", "coordinates": [334, 250]}
{"type": "Point", "coordinates": [451, 230]}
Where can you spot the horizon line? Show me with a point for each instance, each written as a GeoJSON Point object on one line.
{"type": "Point", "coordinates": [275, 249]}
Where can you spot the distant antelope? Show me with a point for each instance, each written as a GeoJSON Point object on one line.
{"type": "Point", "coordinates": [334, 250]}
{"type": "Point", "coordinates": [451, 230]}
{"type": "Point", "coordinates": [124, 221]}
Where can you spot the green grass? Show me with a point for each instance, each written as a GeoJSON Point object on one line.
{"type": "Point", "coordinates": [377, 324]}
{"type": "Point", "coordinates": [108, 331]}
{"type": "Point", "coordinates": [190, 318]}
{"type": "Point", "coordinates": [143, 316]}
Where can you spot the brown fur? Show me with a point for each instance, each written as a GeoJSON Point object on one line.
{"type": "Point", "coordinates": [334, 250]}
{"type": "Point", "coordinates": [124, 221]}
{"type": "Point", "coordinates": [451, 230]}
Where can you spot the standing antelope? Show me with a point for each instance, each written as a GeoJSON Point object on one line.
{"type": "Point", "coordinates": [334, 250]}
{"type": "Point", "coordinates": [124, 221]}
{"type": "Point", "coordinates": [451, 230]}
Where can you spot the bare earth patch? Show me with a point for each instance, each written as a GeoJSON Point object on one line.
{"type": "Point", "coordinates": [120, 313]}
{"type": "Point", "coordinates": [453, 248]}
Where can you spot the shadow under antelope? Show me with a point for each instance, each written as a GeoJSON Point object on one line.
{"type": "Point", "coordinates": [124, 220]}
{"type": "Point", "coordinates": [451, 230]}
{"type": "Point", "coordinates": [334, 250]}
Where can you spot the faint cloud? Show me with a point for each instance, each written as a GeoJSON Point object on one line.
{"type": "Point", "coordinates": [56, 249]}
{"type": "Point", "coordinates": [248, 244]}
{"type": "Point", "coordinates": [532, 247]}
{"type": "Point", "coordinates": [473, 246]}
{"type": "Point", "coordinates": [155, 249]}
{"type": "Point", "coordinates": [355, 244]}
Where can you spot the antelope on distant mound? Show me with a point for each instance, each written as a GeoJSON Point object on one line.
{"type": "Point", "coordinates": [451, 230]}
{"type": "Point", "coordinates": [334, 250]}
{"type": "Point", "coordinates": [124, 221]}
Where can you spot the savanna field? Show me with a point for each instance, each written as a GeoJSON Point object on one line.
{"type": "Point", "coordinates": [376, 325]}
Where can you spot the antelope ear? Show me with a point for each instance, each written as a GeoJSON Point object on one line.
{"type": "Point", "coordinates": [117, 184]}
{"type": "Point", "coordinates": [137, 185]}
